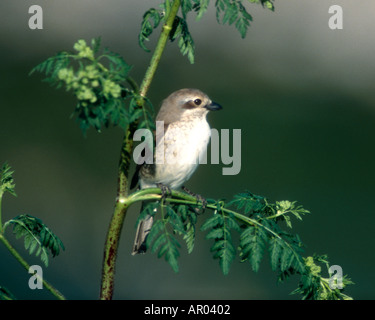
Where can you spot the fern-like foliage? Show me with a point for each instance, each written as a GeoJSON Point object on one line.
{"type": "Point", "coordinates": [6, 180]}
{"type": "Point", "coordinates": [100, 81]}
{"type": "Point", "coordinates": [220, 226]}
{"type": "Point", "coordinates": [232, 12]}
{"type": "Point", "coordinates": [175, 220]}
{"type": "Point", "coordinates": [259, 225]}
{"type": "Point", "coordinates": [313, 286]}
{"type": "Point", "coordinates": [257, 231]}
{"type": "Point", "coordinates": [151, 20]}
{"type": "Point", "coordinates": [161, 238]}
{"type": "Point", "coordinates": [38, 237]}
{"type": "Point", "coordinates": [189, 218]}
{"type": "Point", "coordinates": [185, 41]}
{"type": "Point", "coordinates": [252, 245]}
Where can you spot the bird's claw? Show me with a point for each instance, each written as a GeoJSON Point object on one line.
{"type": "Point", "coordinates": [199, 198]}
{"type": "Point", "coordinates": [165, 190]}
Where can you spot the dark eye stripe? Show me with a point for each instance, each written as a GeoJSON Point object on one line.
{"type": "Point", "coordinates": [189, 105]}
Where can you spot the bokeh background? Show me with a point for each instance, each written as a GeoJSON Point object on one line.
{"type": "Point", "coordinates": [302, 94]}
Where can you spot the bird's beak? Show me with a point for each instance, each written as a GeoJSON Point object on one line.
{"type": "Point", "coordinates": [213, 106]}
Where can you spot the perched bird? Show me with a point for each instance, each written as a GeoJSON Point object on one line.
{"type": "Point", "coordinates": [184, 140]}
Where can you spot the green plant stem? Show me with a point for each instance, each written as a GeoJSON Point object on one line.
{"type": "Point", "coordinates": [167, 27]}
{"type": "Point", "coordinates": [180, 197]}
{"type": "Point", "coordinates": [1, 223]}
{"type": "Point", "coordinates": [122, 203]}
{"type": "Point", "coordinates": [18, 257]}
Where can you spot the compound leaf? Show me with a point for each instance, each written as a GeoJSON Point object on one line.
{"type": "Point", "coordinates": [38, 237]}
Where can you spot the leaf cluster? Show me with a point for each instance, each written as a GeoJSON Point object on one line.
{"type": "Point", "coordinates": [313, 286]}
{"type": "Point", "coordinates": [175, 220]}
{"type": "Point", "coordinates": [231, 12]}
{"type": "Point", "coordinates": [38, 237]}
{"type": "Point", "coordinates": [258, 224]}
{"type": "Point", "coordinates": [99, 79]}
{"type": "Point", "coordinates": [258, 231]}
{"type": "Point", "coordinates": [220, 227]}
{"type": "Point", "coordinates": [180, 31]}
{"type": "Point", "coordinates": [6, 180]}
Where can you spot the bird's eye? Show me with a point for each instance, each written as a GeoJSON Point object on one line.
{"type": "Point", "coordinates": [197, 101]}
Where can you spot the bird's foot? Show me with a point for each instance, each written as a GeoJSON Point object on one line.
{"type": "Point", "coordinates": [199, 198]}
{"type": "Point", "coordinates": [165, 190]}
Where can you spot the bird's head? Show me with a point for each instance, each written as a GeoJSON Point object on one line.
{"type": "Point", "coordinates": [186, 104]}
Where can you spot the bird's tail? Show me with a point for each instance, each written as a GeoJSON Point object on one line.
{"type": "Point", "coordinates": [143, 229]}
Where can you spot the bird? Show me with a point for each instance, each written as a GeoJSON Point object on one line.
{"type": "Point", "coordinates": [177, 150]}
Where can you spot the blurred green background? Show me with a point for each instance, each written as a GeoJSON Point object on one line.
{"type": "Point", "coordinates": [302, 95]}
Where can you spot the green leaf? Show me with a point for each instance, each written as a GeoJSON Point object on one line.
{"type": "Point", "coordinates": [171, 252]}
{"type": "Point", "coordinates": [158, 242]}
{"type": "Point", "coordinates": [5, 294]}
{"type": "Point", "coordinates": [97, 81]}
{"type": "Point", "coordinates": [175, 220]}
{"type": "Point", "coordinates": [215, 220]}
{"type": "Point", "coordinates": [95, 44]}
{"type": "Point", "coordinates": [160, 239]}
{"type": "Point", "coordinates": [189, 236]}
{"type": "Point", "coordinates": [148, 209]}
{"type": "Point", "coordinates": [215, 233]}
{"type": "Point", "coordinates": [189, 219]}
{"type": "Point", "coordinates": [201, 7]}
{"type": "Point", "coordinates": [151, 20]}
{"type": "Point", "coordinates": [185, 42]}
{"type": "Point", "coordinates": [186, 7]}
{"type": "Point", "coordinates": [38, 237]}
{"type": "Point", "coordinates": [290, 256]}
{"type": "Point", "coordinates": [6, 180]}
{"type": "Point", "coordinates": [119, 68]}
{"type": "Point", "coordinates": [223, 247]}
{"type": "Point", "coordinates": [265, 3]}
{"type": "Point", "coordinates": [252, 244]}
{"type": "Point", "coordinates": [157, 227]}
{"type": "Point", "coordinates": [243, 21]}
{"type": "Point", "coordinates": [313, 286]}
{"type": "Point", "coordinates": [275, 251]}
{"type": "Point", "coordinates": [226, 255]}
{"type": "Point", "coordinates": [248, 202]}
{"type": "Point", "coordinates": [281, 210]}
{"type": "Point", "coordinates": [233, 12]}
{"type": "Point", "coordinates": [52, 66]}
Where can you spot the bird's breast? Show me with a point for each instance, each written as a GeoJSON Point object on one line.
{"type": "Point", "coordinates": [178, 153]}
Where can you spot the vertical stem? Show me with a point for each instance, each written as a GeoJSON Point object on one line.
{"type": "Point", "coordinates": [167, 27]}
{"type": "Point", "coordinates": [110, 253]}
{"type": "Point", "coordinates": [1, 223]}
{"type": "Point", "coordinates": [114, 231]}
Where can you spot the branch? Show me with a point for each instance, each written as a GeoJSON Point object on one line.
{"type": "Point", "coordinates": [167, 27]}
{"type": "Point", "coordinates": [19, 258]}
{"type": "Point", "coordinates": [114, 231]}
{"type": "Point", "coordinates": [254, 218]}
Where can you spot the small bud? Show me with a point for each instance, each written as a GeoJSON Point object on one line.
{"type": "Point", "coordinates": [80, 45]}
